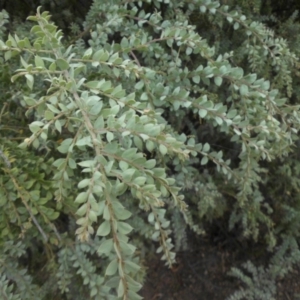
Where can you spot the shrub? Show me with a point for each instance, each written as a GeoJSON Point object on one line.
{"type": "Point", "coordinates": [176, 95]}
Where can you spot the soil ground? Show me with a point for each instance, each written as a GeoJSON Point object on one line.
{"type": "Point", "coordinates": [202, 274]}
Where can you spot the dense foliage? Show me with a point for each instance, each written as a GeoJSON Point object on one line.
{"type": "Point", "coordinates": [149, 118]}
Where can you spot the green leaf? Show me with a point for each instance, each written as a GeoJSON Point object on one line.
{"type": "Point", "coordinates": [121, 289]}
{"type": "Point", "coordinates": [85, 141]}
{"type": "Point", "coordinates": [188, 50]}
{"type": "Point", "coordinates": [150, 164]}
{"type": "Point", "coordinates": [127, 174]}
{"type": "Point", "coordinates": [131, 266]}
{"type": "Point", "coordinates": [124, 43]}
{"type": "Point", "coordinates": [133, 295]}
{"type": "Point", "coordinates": [99, 123]}
{"type": "Point", "coordinates": [123, 165]}
{"type": "Point", "coordinates": [72, 163]}
{"type": "Point", "coordinates": [163, 149]}
{"type": "Point", "coordinates": [219, 120]}
{"type": "Point", "coordinates": [144, 96]}
{"type": "Point", "coordinates": [109, 136]}
{"type": "Point", "coordinates": [232, 113]}
{"type": "Point", "coordinates": [138, 142]}
{"type": "Point", "coordinates": [84, 183]}
{"type": "Point", "coordinates": [62, 64]}
{"type": "Point", "coordinates": [34, 127]}
{"type": "Point", "coordinates": [52, 67]}
{"type": "Point", "coordinates": [139, 85]}
{"type": "Point", "coordinates": [87, 163]}
{"type": "Point", "coordinates": [203, 8]}
{"type": "Point", "coordinates": [49, 115]}
{"type": "Point", "coordinates": [127, 248]}
{"type": "Point", "coordinates": [122, 214]}
{"type": "Point", "coordinates": [229, 19]}
{"type": "Point", "coordinates": [206, 147]}
{"type": "Point", "coordinates": [94, 291]}
{"type": "Point", "coordinates": [87, 54]}
{"type": "Point", "coordinates": [29, 101]}
{"type": "Point", "coordinates": [92, 216]}
{"type": "Point", "coordinates": [124, 228]}
{"type": "Point", "coordinates": [112, 268]}
{"type": "Point", "coordinates": [150, 145]}
{"type": "Point", "coordinates": [218, 80]}
{"type": "Point", "coordinates": [39, 62]}
{"type": "Point", "coordinates": [139, 180]}
{"type": "Point", "coordinates": [129, 153]}
{"type": "Point", "coordinates": [204, 160]}
{"type": "Point", "coordinates": [202, 113]}
{"type": "Point", "coordinates": [93, 84]}
{"type": "Point", "coordinates": [7, 55]}
{"type": "Point", "coordinates": [100, 55]}
{"type": "Point", "coordinates": [244, 90]}
{"type": "Point", "coordinates": [81, 198]}
{"type": "Point", "coordinates": [82, 210]}
{"type": "Point", "coordinates": [196, 79]}
{"type": "Point", "coordinates": [106, 213]}
{"type": "Point", "coordinates": [53, 108]}
{"type": "Point", "coordinates": [104, 229]}
{"type": "Point", "coordinates": [29, 80]}
{"type": "Point", "coordinates": [57, 125]}
{"type": "Point", "coordinates": [106, 247]}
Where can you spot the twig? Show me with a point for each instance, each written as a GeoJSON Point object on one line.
{"type": "Point", "coordinates": [135, 58]}
{"type": "Point", "coordinates": [2, 110]}
{"type": "Point", "coordinates": [55, 231]}
{"type": "Point", "coordinates": [35, 220]}
{"type": "Point", "coordinates": [29, 209]}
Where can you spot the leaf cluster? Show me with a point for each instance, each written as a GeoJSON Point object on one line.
{"type": "Point", "coordinates": [116, 130]}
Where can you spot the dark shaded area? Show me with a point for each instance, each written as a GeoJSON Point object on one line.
{"type": "Point", "coordinates": [64, 12]}
{"type": "Point", "coordinates": [282, 9]}
{"type": "Point", "coordinates": [202, 273]}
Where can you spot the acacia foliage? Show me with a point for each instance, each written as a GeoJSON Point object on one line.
{"type": "Point", "coordinates": [113, 127]}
